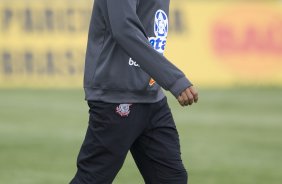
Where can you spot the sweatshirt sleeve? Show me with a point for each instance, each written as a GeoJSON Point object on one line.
{"type": "Point", "coordinates": [129, 33]}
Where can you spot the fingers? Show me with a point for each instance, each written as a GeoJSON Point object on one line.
{"type": "Point", "coordinates": [185, 98]}
{"type": "Point", "coordinates": [180, 100]}
{"type": "Point", "coordinates": [194, 93]}
{"type": "Point", "coordinates": [188, 96]}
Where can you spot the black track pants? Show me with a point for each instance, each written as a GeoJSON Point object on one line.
{"type": "Point", "coordinates": [147, 130]}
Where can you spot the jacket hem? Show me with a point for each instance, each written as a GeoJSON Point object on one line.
{"type": "Point", "coordinates": [111, 96]}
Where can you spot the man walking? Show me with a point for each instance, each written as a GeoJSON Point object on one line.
{"type": "Point", "coordinates": [124, 72]}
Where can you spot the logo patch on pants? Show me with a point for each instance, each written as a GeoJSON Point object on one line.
{"type": "Point", "coordinates": [123, 109]}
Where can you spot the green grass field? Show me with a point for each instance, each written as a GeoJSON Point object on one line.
{"type": "Point", "coordinates": [232, 136]}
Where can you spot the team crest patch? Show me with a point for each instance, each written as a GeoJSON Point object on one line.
{"type": "Point", "coordinates": [123, 109]}
{"type": "Point", "coordinates": [161, 24]}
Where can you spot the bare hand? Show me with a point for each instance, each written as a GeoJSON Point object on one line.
{"type": "Point", "coordinates": [188, 96]}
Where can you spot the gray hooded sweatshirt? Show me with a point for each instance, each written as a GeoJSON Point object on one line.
{"type": "Point", "coordinates": [124, 55]}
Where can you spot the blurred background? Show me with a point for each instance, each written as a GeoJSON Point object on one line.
{"type": "Point", "coordinates": [231, 50]}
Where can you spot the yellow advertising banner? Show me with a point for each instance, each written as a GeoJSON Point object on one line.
{"type": "Point", "coordinates": [43, 42]}
{"type": "Point", "coordinates": [229, 42]}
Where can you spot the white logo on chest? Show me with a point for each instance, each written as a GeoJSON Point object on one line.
{"type": "Point", "coordinates": [161, 24]}
{"type": "Point", "coordinates": [131, 62]}
{"type": "Point", "coordinates": [160, 30]}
